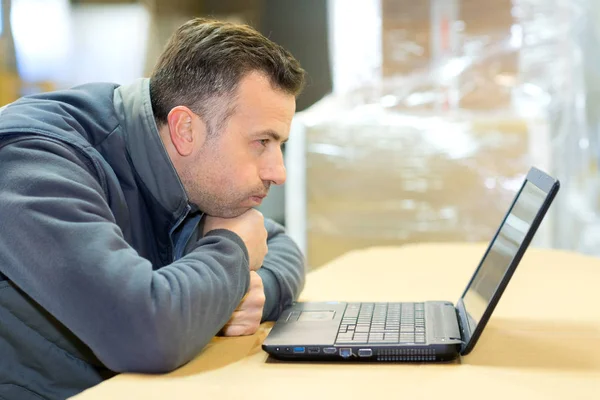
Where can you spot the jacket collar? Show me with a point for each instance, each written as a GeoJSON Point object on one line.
{"type": "Point", "coordinates": [145, 147]}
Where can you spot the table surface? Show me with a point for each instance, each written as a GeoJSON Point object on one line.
{"type": "Point", "coordinates": [543, 340]}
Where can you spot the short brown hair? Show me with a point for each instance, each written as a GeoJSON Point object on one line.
{"type": "Point", "coordinates": [206, 59]}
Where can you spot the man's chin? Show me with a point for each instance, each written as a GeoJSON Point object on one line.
{"type": "Point", "coordinates": [231, 213]}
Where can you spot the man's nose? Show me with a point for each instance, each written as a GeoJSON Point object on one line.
{"type": "Point", "coordinates": [275, 172]}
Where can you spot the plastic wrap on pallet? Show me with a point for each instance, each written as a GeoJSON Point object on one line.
{"type": "Point", "coordinates": [376, 176]}
{"type": "Point", "coordinates": [434, 147]}
{"type": "Point", "coordinates": [560, 81]}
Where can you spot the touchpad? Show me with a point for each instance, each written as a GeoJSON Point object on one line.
{"type": "Point", "coordinates": [316, 316]}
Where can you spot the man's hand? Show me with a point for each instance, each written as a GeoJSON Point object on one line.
{"type": "Point", "coordinates": [250, 226]}
{"type": "Point", "coordinates": [245, 320]}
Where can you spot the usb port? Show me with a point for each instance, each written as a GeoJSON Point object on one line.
{"type": "Point", "coordinates": [314, 350]}
{"type": "Point", "coordinates": [299, 350]}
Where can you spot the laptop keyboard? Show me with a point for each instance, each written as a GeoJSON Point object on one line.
{"type": "Point", "coordinates": [382, 323]}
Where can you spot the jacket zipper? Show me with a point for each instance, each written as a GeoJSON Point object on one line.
{"type": "Point", "coordinates": [174, 228]}
{"type": "Point", "coordinates": [185, 236]}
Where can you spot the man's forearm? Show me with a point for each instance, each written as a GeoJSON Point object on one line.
{"type": "Point", "coordinates": [75, 263]}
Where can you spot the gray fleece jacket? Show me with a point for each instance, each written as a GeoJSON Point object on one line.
{"type": "Point", "coordinates": [102, 265]}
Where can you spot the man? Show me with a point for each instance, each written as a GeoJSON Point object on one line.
{"type": "Point", "coordinates": [128, 236]}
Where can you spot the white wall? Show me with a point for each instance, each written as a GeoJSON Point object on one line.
{"type": "Point", "coordinates": [70, 45]}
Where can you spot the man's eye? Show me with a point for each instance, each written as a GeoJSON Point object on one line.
{"type": "Point", "coordinates": [264, 142]}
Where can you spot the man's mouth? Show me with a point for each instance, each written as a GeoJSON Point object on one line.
{"type": "Point", "coordinates": [257, 199]}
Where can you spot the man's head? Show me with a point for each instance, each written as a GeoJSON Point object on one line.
{"type": "Point", "coordinates": [223, 98]}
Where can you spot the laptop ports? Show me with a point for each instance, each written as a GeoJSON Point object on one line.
{"type": "Point", "coordinates": [365, 352]}
{"type": "Point", "coordinates": [299, 350]}
{"type": "Point", "coordinates": [314, 350]}
{"type": "Point", "coordinates": [345, 352]}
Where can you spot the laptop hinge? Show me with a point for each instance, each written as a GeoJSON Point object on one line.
{"type": "Point", "coordinates": [462, 335]}
{"type": "Point", "coordinates": [465, 329]}
{"type": "Point", "coordinates": [460, 326]}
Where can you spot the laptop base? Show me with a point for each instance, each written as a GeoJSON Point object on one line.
{"type": "Point", "coordinates": [366, 353]}
{"type": "Point", "coordinates": [335, 331]}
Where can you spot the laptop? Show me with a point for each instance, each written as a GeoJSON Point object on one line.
{"type": "Point", "coordinates": [423, 331]}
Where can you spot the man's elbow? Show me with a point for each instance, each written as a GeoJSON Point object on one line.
{"type": "Point", "coordinates": [147, 360]}
{"type": "Point", "coordinates": [153, 356]}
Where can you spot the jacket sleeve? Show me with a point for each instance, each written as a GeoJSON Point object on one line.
{"type": "Point", "coordinates": [283, 272]}
{"type": "Point", "coordinates": [60, 244]}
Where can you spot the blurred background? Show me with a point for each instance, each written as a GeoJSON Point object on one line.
{"type": "Point", "coordinates": [419, 120]}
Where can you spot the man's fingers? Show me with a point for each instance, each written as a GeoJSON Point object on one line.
{"type": "Point", "coordinates": [255, 280]}
{"type": "Point", "coordinates": [239, 330]}
{"type": "Point", "coordinates": [244, 317]}
{"type": "Point", "coordinates": [243, 323]}
{"type": "Point", "coordinates": [245, 320]}
{"type": "Point", "coordinates": [255, 296]}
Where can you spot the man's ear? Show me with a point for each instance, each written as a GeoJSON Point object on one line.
{"type": "Point", "coordinates": [185, 132]}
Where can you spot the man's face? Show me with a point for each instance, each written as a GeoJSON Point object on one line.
{"type": "Point", "coordinates": [233, 169]}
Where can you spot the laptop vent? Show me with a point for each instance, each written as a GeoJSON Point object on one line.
{"type": "Point", "coordinates": [406, 355]}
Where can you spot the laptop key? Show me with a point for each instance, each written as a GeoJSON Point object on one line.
{"type": "Point", "coordinates": [342, 336]}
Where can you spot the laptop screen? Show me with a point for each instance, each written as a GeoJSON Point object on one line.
{"type": "Point", "coordinates": [503, 249]}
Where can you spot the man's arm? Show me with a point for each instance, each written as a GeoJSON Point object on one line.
{"type": "Point", "coordinates": [283, 272]}
{"type": "Point", "coordinates": [60, 244]}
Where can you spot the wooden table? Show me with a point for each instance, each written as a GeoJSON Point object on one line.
{"type": "Point", "coordinates": [543, 341]}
